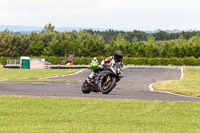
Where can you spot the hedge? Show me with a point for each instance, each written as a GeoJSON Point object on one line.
{"type": "Point", "coordinates": [189, 61]}
{"type": "Point", "coordinates": [3, 60]}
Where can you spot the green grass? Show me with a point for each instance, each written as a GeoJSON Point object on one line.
{"type": "Point", "coordinates": [53, 115]}
{"type": "Point", "coordinates": [33, 73]}
{"type": "Point", "coordinates": [73, 115]}
{"type": "Point", "coordinates": [189, 85]}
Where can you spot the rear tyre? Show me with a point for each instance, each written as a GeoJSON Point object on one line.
{"type": "Point", "coordinates": [85, 88]}
{"type": "Point", "coordinates": [108, 86]}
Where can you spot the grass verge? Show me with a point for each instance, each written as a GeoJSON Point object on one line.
{"type": "Point", "coordinates": [33, 73]}
{"type": "Point", "coordinates": [189, 85]}
{"type": "Point", "coordinates": [45, 115]}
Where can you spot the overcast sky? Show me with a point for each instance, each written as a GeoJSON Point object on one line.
{"type": "Point", "coordinates": [109, 14]}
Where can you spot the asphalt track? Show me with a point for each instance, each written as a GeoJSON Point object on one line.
{"type": "Point", "coordinates": [133, 86]}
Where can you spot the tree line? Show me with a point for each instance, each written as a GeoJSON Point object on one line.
{"type": "Point", "coordinates": [89, 44]}
{"type": "Point", "coordinates": [142, 36]}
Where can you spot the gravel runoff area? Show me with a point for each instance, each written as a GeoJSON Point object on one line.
{"type": "Point", "coordinates": [135, 86]}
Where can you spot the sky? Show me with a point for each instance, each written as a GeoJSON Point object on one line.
{"type": "Point", "coordinates": [109, 14]}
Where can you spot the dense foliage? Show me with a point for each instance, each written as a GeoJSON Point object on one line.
{"type": "Point", "coordinates": [88, 44]}
{"type": "Point", "coordinates": [142, 36]}
{"type": "Point", "coordinates": [187, 61]}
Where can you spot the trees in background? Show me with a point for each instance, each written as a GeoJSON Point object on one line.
{"type": "Point", "coordinates": [90, 43]}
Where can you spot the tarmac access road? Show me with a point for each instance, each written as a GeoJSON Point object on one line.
{"type": "Point", "coordinates": [133, 86]}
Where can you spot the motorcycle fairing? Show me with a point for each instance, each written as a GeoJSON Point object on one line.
{"type": "Point", "coordinates": [101, 76]}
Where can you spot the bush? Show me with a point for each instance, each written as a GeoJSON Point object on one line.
{"type": "Point", "coordinates": [54, 60]}
{"type": "Point", "coordinates": [189, 61]}
{"type": "Point", "coordinates": [3, 60]}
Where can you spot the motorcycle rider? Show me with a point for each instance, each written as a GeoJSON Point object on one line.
{"type": "Point", "coordinates": [117, 58]}
{"type": "Point", "coordinates": [94, 60]}
{"type": "Point", "coordinates": [94, 63]}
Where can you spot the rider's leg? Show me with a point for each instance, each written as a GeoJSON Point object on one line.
{"type": "Point", "coordinates": [90, 77]}
{"type": "Point", "coordinates": [92, 74]}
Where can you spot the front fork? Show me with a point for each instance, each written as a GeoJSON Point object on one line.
{"type": "Point", "coordinates": [100, 83]}
{"type": "Point", "coordinates": [108, 79]}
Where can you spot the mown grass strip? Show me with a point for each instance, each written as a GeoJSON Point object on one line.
{"type": "Point", "coordinates": [45, 115]}
{"type": "Point", "coordinates": [33, 73]}
{"type": "Point", "coordinates": [189, 85]}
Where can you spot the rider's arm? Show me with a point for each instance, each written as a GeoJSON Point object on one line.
{"type": "Point", "coordinates": [102, 62]}
{"type": "Point", "coordinates": [122, 66]}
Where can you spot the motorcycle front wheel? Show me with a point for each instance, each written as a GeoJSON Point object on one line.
{"type": "Point", "coordinates": [108, 83]}
{"type": "Point", "coordinates": [85, 88]}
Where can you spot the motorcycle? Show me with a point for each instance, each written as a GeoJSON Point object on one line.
{"type": "Point", "coordinates": [104, 80]}
{"type": "Point", "coordinates": [93, 64]}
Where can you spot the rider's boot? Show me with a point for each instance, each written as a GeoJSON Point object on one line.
{"type": "Point", "coordinates": [90, 78]}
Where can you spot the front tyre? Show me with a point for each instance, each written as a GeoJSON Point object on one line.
{"type": "Point", "coordinates": [85, 88]}
{"type": "Point", "coordinates": [108, 84]}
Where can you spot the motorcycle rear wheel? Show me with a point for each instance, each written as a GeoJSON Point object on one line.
{"type": "Point", "coordinates": [107, 87]}
{"type": "Point", "coordinates": [85, 88]}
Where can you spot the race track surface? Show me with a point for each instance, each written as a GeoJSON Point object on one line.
{"type": "Point", "coordinates": [133, 86]}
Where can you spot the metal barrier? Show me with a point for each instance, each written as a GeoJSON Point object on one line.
{"type": "Point", "coordinates": [13, 62]}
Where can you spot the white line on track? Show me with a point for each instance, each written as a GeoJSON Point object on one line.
{"type": "Point", "coordinates": [63, 75]}
{"type": "Point", "coordinates": [181, 73]}
{"type": "Point", "coordinates": [152, 89]}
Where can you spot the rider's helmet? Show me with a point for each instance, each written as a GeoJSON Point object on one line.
{"type": "Point", "coordinates": [118, 55]}
{"type": "Point", "coordinates": [94, 59]}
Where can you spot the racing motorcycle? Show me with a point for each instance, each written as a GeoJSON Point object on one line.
{"type": "Point", "coordinates": [104, 80]}
{"type": "Point", "coordinates": [93, 64]}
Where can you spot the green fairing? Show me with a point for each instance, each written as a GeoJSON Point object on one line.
{"type": "Point", "coordinates": [93, 64]}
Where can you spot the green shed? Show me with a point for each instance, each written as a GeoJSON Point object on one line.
{"type": "Point", "coordinates": [24, 63]}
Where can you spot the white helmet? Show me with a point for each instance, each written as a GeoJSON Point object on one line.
{"type": "Point", "coordinates": [94, 58]}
